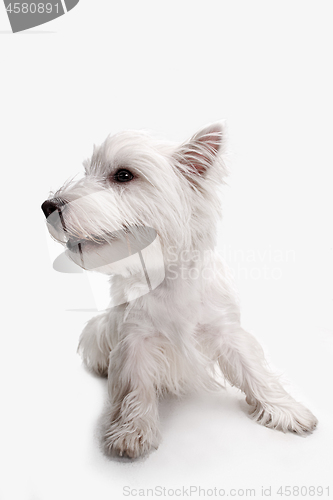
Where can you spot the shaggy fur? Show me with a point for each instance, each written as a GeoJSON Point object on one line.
{"type": "Point", "coordinates": [173, 338]}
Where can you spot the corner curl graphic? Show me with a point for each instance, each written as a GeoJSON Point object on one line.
{"type": "Point", "coordinates": [24, 15]}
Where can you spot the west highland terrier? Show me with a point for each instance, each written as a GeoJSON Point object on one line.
{"type": "Point", "coordinates": [162, 202]}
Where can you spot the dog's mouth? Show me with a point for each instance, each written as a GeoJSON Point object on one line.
{"type": "Point", "coordinates": [94, 252]}
{"type": "Point", "coordinates": [128, 239]}
{"type": "Point", "coordinates": [76, 244]}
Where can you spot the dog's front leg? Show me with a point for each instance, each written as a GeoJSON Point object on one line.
{"type": "Point", "coordinates": [242, 361]}
{"type": "Point", "coordinates": [132, 418]}
{"type": "Point", "coordinates": [96, 343]}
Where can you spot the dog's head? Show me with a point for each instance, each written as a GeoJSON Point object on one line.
{"type": "Point", "coordinates": [136, 187]}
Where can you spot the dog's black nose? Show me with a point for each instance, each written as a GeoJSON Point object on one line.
{"type": "Point", "coordinates": [50, 206]}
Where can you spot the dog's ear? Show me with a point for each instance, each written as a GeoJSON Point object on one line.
{"type": "Point", "coordinates": [198, 154]}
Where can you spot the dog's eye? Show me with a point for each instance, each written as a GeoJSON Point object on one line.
{"type": "Point", "coordinates": [123, 175]}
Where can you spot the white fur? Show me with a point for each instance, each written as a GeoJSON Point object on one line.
{"type": "Point", "coordinates": [173, 338]}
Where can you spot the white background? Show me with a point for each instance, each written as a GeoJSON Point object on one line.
{"type": "Point", "coordinates": [171, 67]}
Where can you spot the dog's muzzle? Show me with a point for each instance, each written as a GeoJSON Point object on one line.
{"type": "Point", "coordinates": [133, 248]}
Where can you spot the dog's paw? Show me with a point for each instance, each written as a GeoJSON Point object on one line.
{"type": "Point", "coordinates": [130, 440]}
{"type": "Point", "coordinates": [292, 417]}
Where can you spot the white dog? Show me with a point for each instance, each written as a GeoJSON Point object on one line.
{"type": "Point", "coordinates": [172, 338]}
